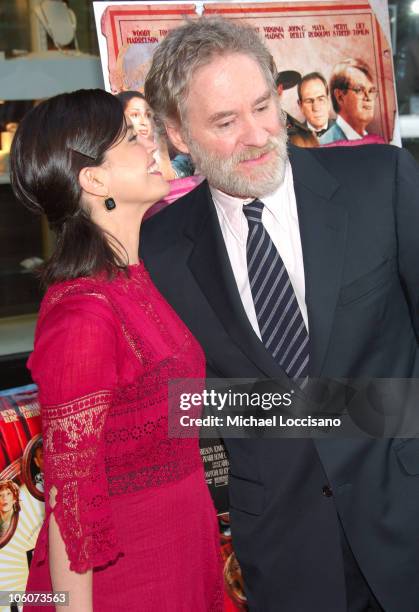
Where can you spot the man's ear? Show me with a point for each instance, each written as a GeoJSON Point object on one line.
{"type": "Point", "coordinates": [339, 95]}
{"type": "Point", "coordinates": [174, 132]}
{"type": "Point", "coordinates": [93, 180]}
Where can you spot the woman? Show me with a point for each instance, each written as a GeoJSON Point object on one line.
{"type": "Point", "coordinates": [117, 488]}
{"type": "Point", "coordinates": [138, 112]}
{"type": "Point", "coordinates": [9, 505]}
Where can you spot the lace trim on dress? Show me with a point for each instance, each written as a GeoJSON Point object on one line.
{"type": "Point", "coordinates": [73, 434]}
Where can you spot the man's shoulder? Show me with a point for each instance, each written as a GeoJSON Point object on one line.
{"type": "Point", "coordinates": [166, 225]}
{"type": "Point", "coordinates": [349, 164]}
{"type": "Point", "coordinates": [357, 154]}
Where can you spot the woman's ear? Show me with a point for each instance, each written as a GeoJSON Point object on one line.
{"type": "Point", "coordinates": [93, 180]}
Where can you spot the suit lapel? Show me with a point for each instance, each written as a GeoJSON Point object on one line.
{"type": "Point", "coordinates": [210, 265]}
{"type": "Point", "coordinates": [323, 232]}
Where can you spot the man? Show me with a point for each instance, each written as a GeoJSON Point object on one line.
{"type": "Point", "coordinates": [353, 97]}
{"type": "Point", "coordinates": [329, 525]}
{"type": "Point", "coordinates": [38, 459]}
{"type": "Point", "coordinates": [313, 100]}
{"type": "Point", "coordinates": [286, 79]}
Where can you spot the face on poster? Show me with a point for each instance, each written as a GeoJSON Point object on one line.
{"type": "Point", "coordinates": [303, 37]}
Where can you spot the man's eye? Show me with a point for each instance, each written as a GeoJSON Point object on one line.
{"type": "Point", "coordinates": [225, 124]}
{"type": "Point", "coordinates": [260, 109]}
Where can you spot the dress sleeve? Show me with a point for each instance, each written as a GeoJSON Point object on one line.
{"type": "Point", "coordinates": [74, 366]}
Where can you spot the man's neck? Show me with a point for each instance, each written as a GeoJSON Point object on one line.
{"type": "Point", "coordinates": [317, 129]}
{"type": "Point", "coordinates": [358, 126]}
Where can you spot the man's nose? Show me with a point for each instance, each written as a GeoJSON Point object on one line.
{"type": "Point", "coordinates": [254, 133]}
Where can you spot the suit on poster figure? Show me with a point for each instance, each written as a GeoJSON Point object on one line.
{"type": "Point", "coordinates": [325, 525]}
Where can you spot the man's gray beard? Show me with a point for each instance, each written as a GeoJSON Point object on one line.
{"type": "Point", "coordinates": [223, 173]}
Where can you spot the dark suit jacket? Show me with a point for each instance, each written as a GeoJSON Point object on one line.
{"type": "Point", "coordinates": [359, 221]}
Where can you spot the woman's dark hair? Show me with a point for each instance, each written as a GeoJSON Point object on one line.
{"type": "Point", "coordinates": [125, 96]}
{"type": "Point", "coordinates": [53, 142]}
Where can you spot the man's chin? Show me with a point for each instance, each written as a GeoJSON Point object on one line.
{"type": "Point", "coordinates": [245, 181]}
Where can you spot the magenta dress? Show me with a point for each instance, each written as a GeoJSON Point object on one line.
{"type": "Point", "coordinates": [132, 502]}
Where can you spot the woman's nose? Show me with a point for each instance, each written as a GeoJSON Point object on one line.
{"type": "Point", "coordinates": [148, 144]}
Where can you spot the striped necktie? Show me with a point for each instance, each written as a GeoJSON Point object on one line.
{"type": "Point", "coordinates": [280, 321]}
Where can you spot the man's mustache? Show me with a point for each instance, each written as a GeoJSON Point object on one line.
{"type": "Point", "coordinates": [255, 152]}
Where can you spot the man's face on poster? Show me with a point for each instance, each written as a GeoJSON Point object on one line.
{"type": "Point", "coordinates": [315, 103]}
{"type": "Point", "coordinates": [38, 458]}
{"type": "Point", "coordinates": [357, 102]}
{"type": "Point", "coordinates": [232, 127]}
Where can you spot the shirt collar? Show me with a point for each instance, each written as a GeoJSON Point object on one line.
{"type": "Point", "coordinates": [349, 131]}
{"type": "Point", "coordinates": [231, 208]}
{"type": "Point", "coordinates": [318, 129]}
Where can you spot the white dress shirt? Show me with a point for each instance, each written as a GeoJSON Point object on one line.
{"type": "Point", "coordinates": [280, 219]}
{"type": "Point", "coordinates": [349, 131]}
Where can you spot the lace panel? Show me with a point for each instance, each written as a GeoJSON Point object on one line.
{"type": "Point", "coordinates": [75, 464]}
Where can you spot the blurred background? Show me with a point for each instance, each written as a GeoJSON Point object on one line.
{"type": "Point", "coordinates": [44, 50]}
{"type": "Point", "coordinates": [49, 47]}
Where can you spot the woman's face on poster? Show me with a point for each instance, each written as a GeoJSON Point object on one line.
{"type": "Point", "coordinates": [141, 117]}
{"type": "Point", "coordinates": [6, 500]}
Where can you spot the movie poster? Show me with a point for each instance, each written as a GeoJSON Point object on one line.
{"type": "Point", "coordinates": [21, 485]}
{"type": "Point", "coordinates": [216, 472]}
{"type": "Point", "coordinates": [303, 37]}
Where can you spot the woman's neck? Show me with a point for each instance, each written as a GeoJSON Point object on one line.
{"type": "Point", "coordinates": [6, 516]}
{"type": "Point", "coordinates": [123, 225]}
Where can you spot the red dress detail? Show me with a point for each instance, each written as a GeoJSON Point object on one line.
{"type": "Point", "coordinates": [132, 503]}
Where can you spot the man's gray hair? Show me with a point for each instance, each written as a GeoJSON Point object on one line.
{"type": "Point", "coordinates": [196, 44]}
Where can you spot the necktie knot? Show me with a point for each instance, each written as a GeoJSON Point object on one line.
{"type": "Point", "coordinates": [253, 211]}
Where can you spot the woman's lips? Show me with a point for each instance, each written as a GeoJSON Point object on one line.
{"type": "Point", "coordinates": [153, 168]}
